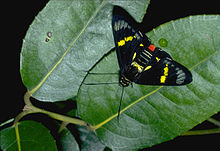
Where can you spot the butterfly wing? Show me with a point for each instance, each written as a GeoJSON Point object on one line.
{"type": "Point", "coordinates": [127, 37]}
{"type": "Point", "coordinates": [164, 71]}
{"type": "Point", "coordinates": [134, 49]}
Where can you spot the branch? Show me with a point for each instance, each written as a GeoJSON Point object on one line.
{"type": "Point", "coordinates": [202, 132]}
{"type": "Point", "coordinates": [214, 121]}
{"type": "Point", "coordinates": [29, 109]}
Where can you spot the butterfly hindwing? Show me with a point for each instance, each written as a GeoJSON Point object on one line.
{"type": "Point", "coordinates": [164, 71]}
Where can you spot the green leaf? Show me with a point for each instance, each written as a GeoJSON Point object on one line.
{"type": "Point", "coordinates": [153, 114]}
{"type": "Point", "coordinates": [65, 40]}
{"type": "Point", "coordinates": [33, 136]}
{"type": "Point", "coordinates": [68, 142]}
{"type": "Point", "coordinates": [89, 140]}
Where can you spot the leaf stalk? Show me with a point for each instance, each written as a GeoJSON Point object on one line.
{"type": "Point", "coordinates": [202, 132]}
{"type": "Point", "coordinates": [214, 121]}
{"type": "Point", "coordinates": [30, 108]}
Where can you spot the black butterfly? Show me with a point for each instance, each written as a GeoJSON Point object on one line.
{"type": "Point", "coordinates": [139, 60]}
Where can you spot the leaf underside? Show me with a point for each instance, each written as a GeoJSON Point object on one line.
{"type": "Point", "coordinates": [170, 111]}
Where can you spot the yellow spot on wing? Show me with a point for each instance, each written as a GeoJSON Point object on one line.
{"type": "Point", "coordinates": [162, 79]}
{"type": "Point", "coordinates": [166, 70]}
{"type": "Point", "coordinates": [158, 59]}
{"type": "Point", "coordinates": [121, 43]}
{"type": "Point", "coordinates": [128, 38]}
{"type": "Point", "coordinates": [141, 45]}
{"type": "Point", "coordinates": [134, 56]}
{"type": "Point", "coordinates": [165, 74]}
{"type": "Point", "coordinates": [139, 67]}
{"type": "Point", "coordinates": [147, 68]}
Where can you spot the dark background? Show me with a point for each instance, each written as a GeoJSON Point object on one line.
{"type": "Point", "coordinates": [19, 15]}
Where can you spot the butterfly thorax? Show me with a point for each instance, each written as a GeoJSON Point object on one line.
{"type": "Point", "coordinates": [138, 65]}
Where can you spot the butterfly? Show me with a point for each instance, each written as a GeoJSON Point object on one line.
{"type": "Point", "coordinates": [139, 60]}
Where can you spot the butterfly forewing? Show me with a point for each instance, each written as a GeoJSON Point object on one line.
{"type": "Point", "coordinates": [127, 37]}
{"type": "Point", "coordinates": [139, 60]}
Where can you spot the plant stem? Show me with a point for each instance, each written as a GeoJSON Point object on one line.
{"type": "Point", "coordinates": [27, 99]}
{"type": "Point", "coordinates": [214, 121]}
{"type": "Point", "coordinates": [17, 136]}
{"type": "Point", "coordinates": [62, 126]}
{"type": "Point", "coordinates": [61, 117]}
{"type": "Point", "coordinates": [29, 109]}
{"type": "Point", "coordinates": [20, 115]}
{"type": "Point", "coordinates": [202, 132]}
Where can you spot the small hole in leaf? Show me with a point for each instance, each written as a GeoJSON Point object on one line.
{"type": "Point", "coordinates": [49, 34]}
{"type": "Point", "coordinates": [47, 40]}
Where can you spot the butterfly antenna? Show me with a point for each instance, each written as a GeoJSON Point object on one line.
{"type": "Point", "coordinates": [119, 108]}
{"type": "Point", "coordinates": [100, 83]}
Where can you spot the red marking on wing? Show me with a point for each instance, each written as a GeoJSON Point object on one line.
{"type": "Point", "coordinates": [151, 47]}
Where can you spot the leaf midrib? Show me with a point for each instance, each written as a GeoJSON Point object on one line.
{"type": "Point", "coordinates": [64, 54]}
